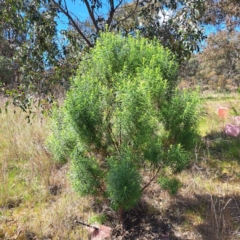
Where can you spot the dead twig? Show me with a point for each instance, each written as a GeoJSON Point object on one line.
{"type": "Point", "coordinates": [85, 224]}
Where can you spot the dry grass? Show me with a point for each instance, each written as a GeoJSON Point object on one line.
{"type": "Point", "coordinates": [35, 196]}
{"type": "Point", "coordinates": [23, 158]}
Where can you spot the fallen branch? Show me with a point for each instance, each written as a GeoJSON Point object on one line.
{"type": "Point", "coordinates": [87, 225]}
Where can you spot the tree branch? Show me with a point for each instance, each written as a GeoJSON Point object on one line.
{"type": "Point", "coordinates": [112, 11]}
{"type": "Point", "coordinates": [114, 141]}
{"type": "Point", "coordinates": [66, 13]}
{"type": "Point", "coordinates": [125, 18]}
{"type": "Point", "coordinates": [90, 11]}
{"type": "Point", "coordinates": [151, 179]}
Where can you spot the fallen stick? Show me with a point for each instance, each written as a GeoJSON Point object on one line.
{"type": "Point", "coordinates": [85, 224]}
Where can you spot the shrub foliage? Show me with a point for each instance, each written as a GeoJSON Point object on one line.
{"type": "Point", "coordinates": [170, 184]}
{"type": "Point", "coordinates": [123, 116]}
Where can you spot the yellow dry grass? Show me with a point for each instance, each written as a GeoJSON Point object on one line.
{"type": "Point", "coordinates": [35, 196]}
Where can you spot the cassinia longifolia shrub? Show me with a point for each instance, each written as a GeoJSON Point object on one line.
{"type": "Point", "coordinates": [122, 116]}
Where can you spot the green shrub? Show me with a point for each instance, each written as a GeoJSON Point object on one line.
{"type": "Point", "coordinates": [170, 184]}
{"type": "Point", "coordinates": [63, 138]}
{"type": "Point", "coordinates": [123, 183]}
{"type": "Point", "coordinates": [181, 117]}
{"type": "Point", "coordinates": [176, 157]}
{"type": "Point", "coordinates": [122, 114]}
{"type": "Point", "coordinates": [100, 219]}
{"type": "Point", "coordinates": [86, 175]}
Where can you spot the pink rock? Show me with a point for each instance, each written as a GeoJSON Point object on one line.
{"type": "Point", "coordinates": [237, 120]}
{"type": "Point", "coordinates": [232, 130]}
{"type": "Point", "coordinates": [103, 232]}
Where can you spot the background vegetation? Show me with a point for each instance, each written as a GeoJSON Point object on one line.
{"type": "Point", "coordinates": [37, 55]}
{"type": "Point", "coordinates": [217, 67]}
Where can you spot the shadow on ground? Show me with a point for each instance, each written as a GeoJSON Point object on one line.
{"type": "Point", "coordinates": [219, 216]}
{"type": "Point", "coordinates": [219, 220]}
{"type": "Point", "coordinates": [139, 224]}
